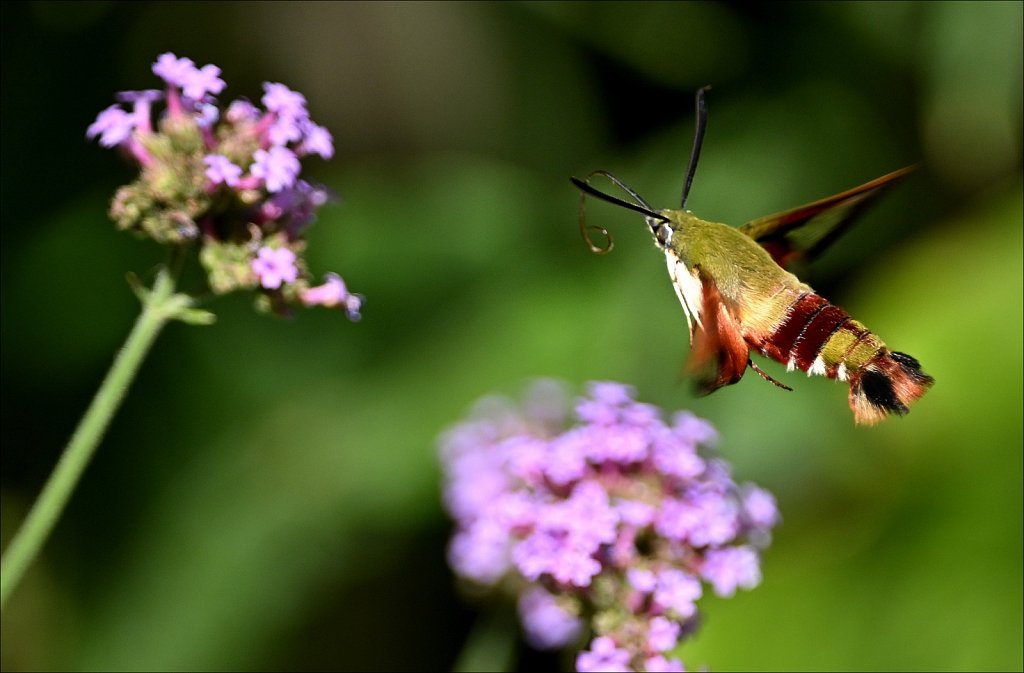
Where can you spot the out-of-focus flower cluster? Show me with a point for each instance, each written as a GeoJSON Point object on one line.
{"type": "Point", "coordinates": [227, 181]}
{"type": "Point", "coordinates": [611, 527]}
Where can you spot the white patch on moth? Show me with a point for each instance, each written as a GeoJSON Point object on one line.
{"type": "Point", "coordinates": [688, 288]}
{"type": "Point", "coordinates": [841, 371]}
{"type": "Point", "coordinates": [817, 367]}
{"type": "Point", "coordinates": [791, 365]}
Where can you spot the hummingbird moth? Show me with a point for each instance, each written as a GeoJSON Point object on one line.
{"type": "Point", "coordinates": [738, 295]}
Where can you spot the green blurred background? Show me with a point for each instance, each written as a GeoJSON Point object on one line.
{"type": "Point", "coordinates": [268, 495]}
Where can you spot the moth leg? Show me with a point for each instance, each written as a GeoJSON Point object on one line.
{"type": "Point", "coordinates": [767, 377]}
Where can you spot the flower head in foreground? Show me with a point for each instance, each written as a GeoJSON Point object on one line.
{"type": "Point", "coordinates": [620, 519]}
{"type": "Point", "coordinates": [227, 183]}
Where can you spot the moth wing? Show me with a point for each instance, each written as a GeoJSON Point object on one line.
{"type": "Point", "coordinates": [718, 354]}
{"type": "Point", "coordinates": [805, 232]}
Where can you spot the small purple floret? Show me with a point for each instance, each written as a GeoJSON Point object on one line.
{"type": "Point", "coordinates": [202, 81]}
{"type": "Point", "coordinates": [546, 624]}
{"type": "Point", "coordinates": [220, 170]}
{"type": "Point", "coordinates": [603, 655]}
{"type": "Point", "coordinates": [731, 567]}
{"type": "Point", "coordinates": [274, 267]}
{"type": "Point", "coordinates": [284, 102]}
{"type": "Point", "coordinates": [277, 167]}
{"type": "Point", "coordinates": [113, 126]}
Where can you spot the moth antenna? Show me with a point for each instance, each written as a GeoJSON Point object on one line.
{"type": "Point", "coordinates": [639, 206]}
{"type": "Point", "coordinates": [766, 376]}
{"type": "Point", "coordinates": [698, 140]}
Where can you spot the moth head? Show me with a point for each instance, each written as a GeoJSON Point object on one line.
{"type": "Point", "coordinates": [659, 224]}
{"type": "Point", "coordinates": [662, 231]}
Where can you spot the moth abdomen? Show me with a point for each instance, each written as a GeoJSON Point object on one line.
{"type": "Point", "coordinates": [888, 384]}
{"type": "Point", "coordinates": [818, 337]}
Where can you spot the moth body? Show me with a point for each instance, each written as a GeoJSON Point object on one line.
{"type": "Point", "coordinates": [738, 299]}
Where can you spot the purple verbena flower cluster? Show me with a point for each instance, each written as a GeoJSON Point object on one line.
{"type": "Point", "coordinates": [613, 524]}
{"type": "Point", "coordinates": [227, 182]}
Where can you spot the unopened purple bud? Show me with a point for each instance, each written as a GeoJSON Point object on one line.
{"type": "Point", "coordinates": [354, 307]}
{"type": "Point", "coordinates": [296, 205]}
{"type": "Point", "coordinates": [206, 115]}
{"type": "Point", "coordinates": [333, 293]}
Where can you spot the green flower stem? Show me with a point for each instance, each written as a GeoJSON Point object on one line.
{"type": "Point", "coordinates": [490, 646]}
{"type": "Point", "coordinates": [159, 305]}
